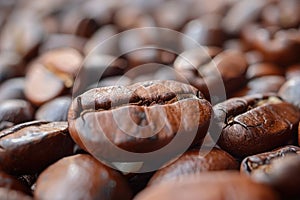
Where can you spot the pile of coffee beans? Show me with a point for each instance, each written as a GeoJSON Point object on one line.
{"type": "Point", "coordinates": [94, 104]}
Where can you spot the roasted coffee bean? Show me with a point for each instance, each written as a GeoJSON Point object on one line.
{"type": "Point", "coordinates": [42, 85]}
{"type": "Point", "coordinates": [290, 91]}
{"type": "Point", "coordinates": [253, 57]}
{"type": "Point", "coordinates": [81, 177]}
{"type": "Point", "coordinates": [16, 111]}
{"type": "Point", "coordinates": [279, 46]}
{"type": "Point", "coordinates": [52, 74]}
{"type": "Point", "coordinates": [281, 14]}
{"type": "Point", "coordinates": [242, 13]}
{"type": "Point", "coordinates": [299, 134]}
{"type": "Point", "coordinates": [198, 68]}
{"type": "Point", "coordinates": [22, 34]}
{"type": "Point", "coordinates": [5, 125]}
{"type": "Point", "coordinates": [57, 41]}
{"type": "Point", "coordinates": [264, 84]}
{"type": "Point", "coordinates": [194, 162]}
{"type": "Point", "coordinates": [167, 16]}
{"type": "Point", "coordinates": [87, 27]}
{"type": "Point", "coordinates": [263, 69]}
{"type": "Point", "coordinates": [205, 31]}
{"type": "Point", "coordinates": [292, 71]}
{"type": "Point", "coordinates": [13, 195]}
{"type": "Point", "coordinates": [30, 147]}
{"type": "Point", "coordinates": [55, 110]}
{"type": "Point", "coordinates": [279, 168]}
{"type": "Point", "coordinates": [235, 44]}
{"type": "Point", "coordinates": [172, 107]}
{"type": "Point", "coordinates": [28, 180]}
{"type": "Point", "coordinates": [10, 183]}
{"type": "Point", "coordinates": [10, 65]}
{"type": "Point", "coordinates": [255, 123]}
{"type": "Point", "coordinates": [209, 186]}
{"type": "Point", "coordinates": [95, 68]}
{"type": "Point", "coordinates": [100, 42]}
{"type": "Point", "coordinates": [12, 89]}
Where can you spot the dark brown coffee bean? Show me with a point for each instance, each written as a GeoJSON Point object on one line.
{"type": "Point", "coordinates": [292, 71]}
{"type": "Point", "coordinates": [128, 17]}
{"type": "Point", "coordinates": [235, 44]}
{"type": "Point", "coordinates": [12, 89]}
{"type": "Point", "coordinates": [299, 134]}
{"type": "Point", "coordinates": [97, 67]}
{"type": "Point", "coordinates": [167, 16]}
{"type": "Point", "coordinates": [279, 168]}
{"type": "Point", "coordinates": [205, 31]}
{"type": "Point", "coordinates": [195, 162]}
{"type": "Point", "coordinates": [52, 74]}
{"type": "Point", "coordinates": [16, 111]}
{"type": "Point", "coordinates": [139, 105]}
{"type": "Point", "coordinates": [42, 85]}
{"type": "Point", "coordinates": [290, 91]}
{"type": "Point", "coordinates": [209, 186]}
{"type": "Point", "coordinates": [57, 41]}
{"type": "Point", "coordinates": [55, 110]}
{"type": "Point", "coordinates": [253, 57]}
{"type": "Point", "coordinates": [10, 183]}
{"type": "Point", "coordinates": [279, 46]}
{"type": "Point", "coordinates": [198, 68]}
{"type": "Point", "coordinates": [263, 69]}
{"type": "Point", "coordinates": [242, 13]}
{"type": "Point", "coordinates": [284, 14]}
{"type": "Point", "coordinates": [264, 84]}
{"type": "Point", "coordinates": [81, 177]}
{"type": "Point", "coordinates": [101, 41]}
{"type": "Point", "coordinates": [30, 147]}
{"type": "Point", "coordinates": [256, 123]}
{"type": "Point", "coordinates": [87, 27]}
{"type": "Point", "coordinates": [5, 125]}
{"type": "Point", "coordinates": [10, 66]}
{"type": "Point", "coordinates": [28, 180]}
{"type": "Point", "coordinates": [13, 195]}
{"type": "Point", "coordinates": [22, 34]}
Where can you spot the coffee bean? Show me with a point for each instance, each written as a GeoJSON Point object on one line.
{"type": "Point", "coordinates": [202, 72]}
{"type": "Point", "coordinates": [280, 14]}
{"type": "Point", "coordinates": [10, 183]}
{"type": "Point", "coordinates": [16, 111]}
{"type": "Point", "coordinates": [194, 162]}
{"type": "Point", "coordinates": [22, 34]}
{"type": "Point", "coordinates": [263, 69]}
{"type": "Point", "coordinates": [240, 14]}
{"type": "Point", "coordinates": [205, 31]}
{"type": "Point", "coordinates": [32, 146]}
{"type": "Point", "coordinates": [13, 195]}
{"type": "Point", "coordinates": [12, 89]}
{"type": "Point", "coordinates": [42, 85]}
{"type": "Point", "coordinates": [58, 41]}
{"type": "Point", "coordinates": [10, 65]}
{"type": "Point", "coordinates": [81, 177]}
{"type": "Point", "coordinates": [55, 110]}
{"type": "Point", "coordinates": [255, 123]}
{"type": "Point", "coordinates": [210, 186]}
{"type": "Point", "coordinates": [290, 91]}
{"type": "Point", "coordinates": [299, 134]}
{"type": "Point", "coordinates": [130, 112]}
{"type": "Point", "coordinates": [279, 46]}
{"type": "Point", "coordinates": [264, 84]}
{"type": "Point", "coordinates": [100, 43]}
{"type": "Point", "coordinates": [292, 71]}
{"type": "Point", "coordinates": [276, 168]}
{"type": "Point", "coordinates": [52, 74]}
